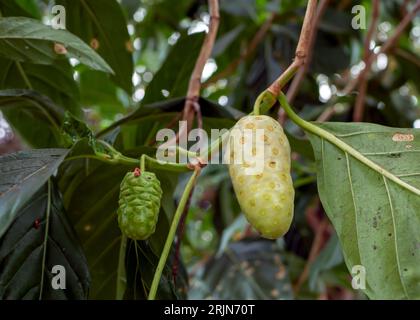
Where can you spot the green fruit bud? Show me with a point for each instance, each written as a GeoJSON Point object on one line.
{"type": "Point", "coordinates": [266, 195]}
{"type": "Point", "coordinates": [139, 204]}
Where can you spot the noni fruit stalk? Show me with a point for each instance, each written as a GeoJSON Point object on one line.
{"type": "Point", "coordinates": [259, 165]}
{"type": "Point", "coordinates": [139, 204]}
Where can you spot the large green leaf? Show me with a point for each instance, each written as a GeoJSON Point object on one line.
{"type": "Point", "coordinates": [20, 8]}
{"type": "Point", "coordinates": [39, 239]}
{"type": "Point", "coordinates": [28, 40]}
{"type": "Point", "coordinates": [22, 174]}
{"type": "Point", "coordinates": [36, 117]}
{"type": "Point", "coordinates": [97, 91]}
{"type": "Point", "coordinates": [107, 25]}
{"type": "Point", "coordinates": [55, 81]}
{"type": "Point", "coordinates": [174, 74]}
{"type": "Point", "coordinates": [371, 193]}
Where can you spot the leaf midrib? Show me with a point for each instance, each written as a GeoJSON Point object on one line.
{"type": "Point", "coordinates": [358, 156]}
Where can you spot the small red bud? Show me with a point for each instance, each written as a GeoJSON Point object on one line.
{"type": "Point", "coordinates": [37, 223]}
{"type": "Point", "coordinates": [137, 172]}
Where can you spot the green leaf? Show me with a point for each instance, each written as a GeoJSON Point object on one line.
{"type": "Point", "coordinates": [39, 239]}
{"type": "Point", "coordinates": [226, 40]}
{"type": "Point", "coordinates": [55, 81]}
{"type": "Point", "coordinates": [21, 8]}
{"type": "Point", "coordinates": [28, 40]}
{"type": "Point", "coordinates": [247, 270]}
{"type": "Point", "coordinates": [22, 174]}
{"type": "Point", "coordinates": [107, 25]}
{"type": "Point", "coordinates": [336, 21]}
{"type": "Point", "coordinates": [242, 8]}
{"type": "Point", "coordinates": [34, 116]}
{"type": "Point", "coordinates": [75, 130]}
{"type": "Point", "coordinates": [97, 91]}
{"type": "Point", "coordinates": [174, 74]}
{"type": "Point", "coordinates": [369, 184]}
{"type": "Point", "coordinates": [331, 57]}
{"type": "Point", "coordinates": [90, 191]}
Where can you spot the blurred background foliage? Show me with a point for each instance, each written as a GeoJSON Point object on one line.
{"type": "Point", "coordinates": [152, 46]}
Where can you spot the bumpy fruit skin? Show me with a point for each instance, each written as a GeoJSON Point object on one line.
{"type": "Point", "coordinates": [266, 198]}
{"type": "Point", "coordinates": [139, 203]}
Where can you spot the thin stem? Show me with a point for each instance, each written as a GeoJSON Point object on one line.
{"type": "Point", "coordinates": [121, 271]}
{"type": "Point", "coordinates": [105, 158]}
{"type": "Point", "coordinates": [143, 163]}
{"type": "Point", "coordinates": [24, 76]}
{"type": "Point", "coordinates": [301, 49]}
{"type": "Point", "coordinates": [295, 85]}
{"type": "Point", "coordinates": [121, 159]}
{"type": "Point", "coordinates": [194, 85]}
{"type": "Point", "coordinates": [307, 126]}
{"type": "Point", "coordinates": [171, 234]}
{"type": "Point", "coordinates": [317, 244]}
{"type": "Point", "coordinates": [285, 77]}
{"type": "Point", "coordinates": [359, 106]}
{"type": "Point", "coordinates": [253, 44]}
{"type": "Point", "coordinates": [109, 146]}
{"type": "Point", "coordinates": [385, 47]}
{"type": "Point", "coordinates": [164, 165]}
{"type": "Point", "coordinates": [44, 249]}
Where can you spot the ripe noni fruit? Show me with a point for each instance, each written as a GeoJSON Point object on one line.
{"type": "Point", "coordinates": [258, 154]}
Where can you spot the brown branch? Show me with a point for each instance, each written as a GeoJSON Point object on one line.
{"type": "Point", "coordinates": [387, 46]}
{"type": "Point", "coordinates": [301, 50]}
{"type": "Point", "coordinates": [255, 41]}
{"type": "Point", "coordinates": [317, 245]}
{"type": "Point", "coordinates": [297, 81]}
{"type": "Point", "coordinates": [327, 114]}
{"type": "Point", "coordinates": [404, 8]}
{"type": "Point", "coordinates": [359, 107]}
{"type": "Point", "coordinates": [194, 86]}
{"type": "Point", "coordinates": [344, 4]}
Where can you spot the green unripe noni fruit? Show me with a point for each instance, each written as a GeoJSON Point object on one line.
{"type": "Point", "coordinates": [262, 181]}
{"type": "Point", "coordinates": [139, 204]}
